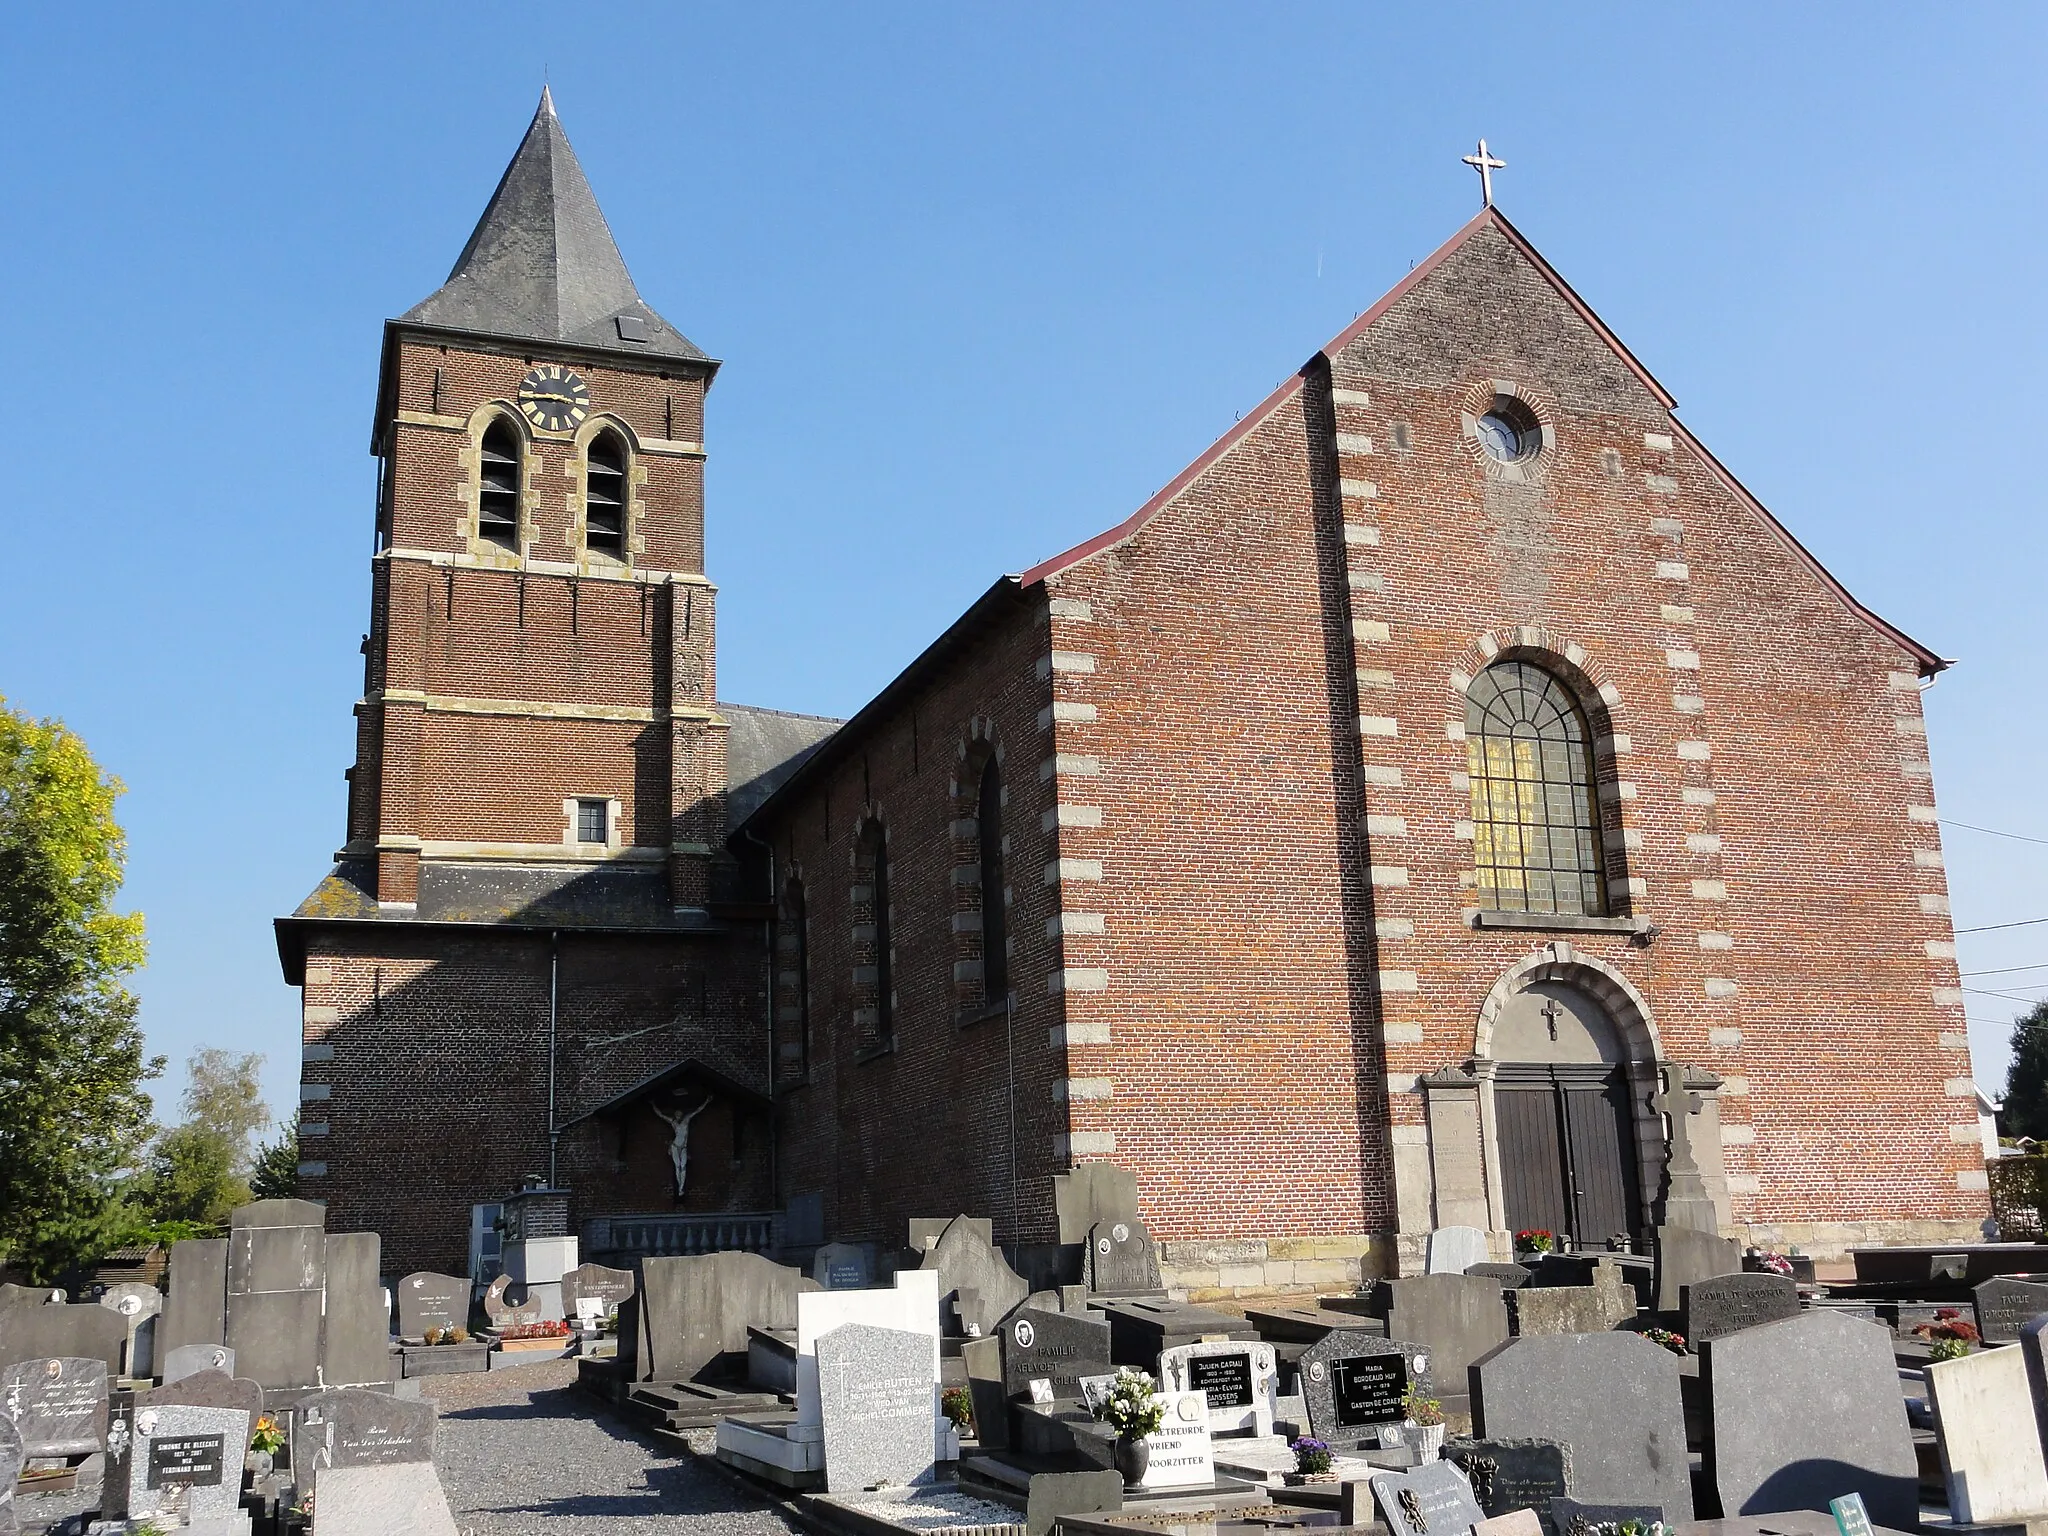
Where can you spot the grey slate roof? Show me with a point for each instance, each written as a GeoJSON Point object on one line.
{"type": "Point", "coordinates": [542, 264]}
{"type": "Point", "coordinates": [762, 749]}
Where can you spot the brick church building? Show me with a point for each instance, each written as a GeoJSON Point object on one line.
{"type": "Point", "coordinates": [1341, 843]}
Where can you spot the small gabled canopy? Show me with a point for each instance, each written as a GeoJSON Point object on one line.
{"type": "Point", "coordinates": [542, 264]}
{"type": "Point", "coordinates": [691, 1076]}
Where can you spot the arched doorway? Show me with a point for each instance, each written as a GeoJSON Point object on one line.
{"type": "Point", "coordinates": [1565, 1120]}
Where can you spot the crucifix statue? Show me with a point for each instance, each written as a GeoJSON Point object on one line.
{"type": "Point", "coordinates": [679, 1143]}
{"type": "Point", "coordinates": [1485, 164]}
{"type": "Point", "coordinates": [1686, 1202]}
{"type": "Point", "coordinates": [1551, 1014]}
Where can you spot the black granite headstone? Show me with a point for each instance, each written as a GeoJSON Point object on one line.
{"type": "Point", "coordinates": [209, 1389]}
{"type": "Point", "coordinates": [2006, 1306]}
{"type": "Point", "coordinates": [1433, 1500]}
{"type": "Point", "coordinates": [12, 1458]}
{"type": "Point", "coordinates": [352, 1427]}
{"type": "Point", "coordinates": [59, 1406]}
{"type": "Point", "coordinates": [1055, 1347]}
{"type": "Point", "coordinates": [1507, 1475]}
{"type": "Point", "coordinates": [427, 1301]}
{"type": "Point", "coordinates": [1122, 1259]}
{"type": "Point", "coordinates": [1727, 1304]}
{"type": "Point", "coordinates": [1352, 1383]}
{"type": "Point", "coordinates": [611, 1286]}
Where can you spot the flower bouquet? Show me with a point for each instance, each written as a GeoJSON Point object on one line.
{"type": "Point", "coordinates": [1132, 1407]}
{"type": "Point", "coordinates": [1950, 1336]}
{"type": "Point", "coordinates": [1536, 1240]}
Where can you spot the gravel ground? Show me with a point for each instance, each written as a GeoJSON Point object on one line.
{"type": "Point", "coordinates": [523, 1452]}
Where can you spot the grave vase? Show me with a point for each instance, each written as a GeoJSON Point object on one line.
{"type": "Point", "coordinates": [1133, 1457]}
{"type": "Point", "coordinates": [1425, 1440]}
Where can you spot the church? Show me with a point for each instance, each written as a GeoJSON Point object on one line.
{"type": "Point", "coordinates": [1441, 784]}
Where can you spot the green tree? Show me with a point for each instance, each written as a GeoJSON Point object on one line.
{"type": "Point", "coordinates": [2026, 1077]}
{"type": "Point", "coordinates": [277, 1164]}
{"type": "Point", "coordinates": [73, 1112]}
{"type": "Point", "coordinates": [199, 1170]}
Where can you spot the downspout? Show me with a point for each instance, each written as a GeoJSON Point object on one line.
{"type": "Point", "coordinates": [554, 988]}
{"type": "Point", "coordinates": [768, 968]}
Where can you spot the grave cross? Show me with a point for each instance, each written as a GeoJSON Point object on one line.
{"type": "Point", "coordinates": [1551, 1014]}
{"type": "Point", "coordinates": [1485, 164]}
{"type": "Point", "coordinates": [1678, 1104]}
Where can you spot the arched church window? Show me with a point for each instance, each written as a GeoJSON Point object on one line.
{"type": "Point", "coordinates": [604, 495]}
{"type": "Point", "coordinates": [497, 500]}
{"type": "Point", "coordinates": [1535, 825]}
{"type": "Point", "coordinates": [995, 960]}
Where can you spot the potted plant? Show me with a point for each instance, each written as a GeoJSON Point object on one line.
{"type": "Point", "coordinates": [957, 1404]}
{"type": "Point", "coordinates": [1132, 1408]}
{"type": "Point", "coordinates": [265, 1441]}
{"type": "Point", "coordinates": [1311, 1461]}
{"type": "Point", "coordinates": [1422, 1429]}
{"type": "Point", "coordinates": [1675, 1342]}
{"type": "Point", "coordinates": [1536, 1240]}
{"type": "Point", "coordinates": [1950, 1336]}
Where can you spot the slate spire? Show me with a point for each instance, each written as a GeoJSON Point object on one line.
{"type": "Point", "coordinates": [542, 264]}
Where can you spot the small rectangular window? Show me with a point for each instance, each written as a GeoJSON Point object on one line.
{"type": "Point", "coordinates": [592, 821]}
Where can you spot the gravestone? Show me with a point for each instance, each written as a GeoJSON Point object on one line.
{"type": "Point", "coordinates": [974, 1277]}
{"type": "Point", "coordinates": [842, 1267]}
{"type": "Point", "coordinates": [1618, 1300]}
{"type": "Point", "coordinates": [596, 1282]}
{"type": "Point", "coordinates": [1456, 1318]}
{"type": "Point", "coordinates": [427, 1300]}
{"type": "Point", "coordinates": [925, 1231]}
{"type": "Point", "coordinates": [1612, 1397]}
{"type": "Point", "coordinates": [1990, 1445]}
{"type": "Point", "coordinates": [508, 1304]}
{"type": "Point", "coordinates": [910, 1306]}
{"type": "Point", "coordinates": [1122, 1259]}
{"type": "Point", "coordinates": [1508, 1475]}
{"type": "Point", "coordinates": [982, 1359]}
{"type": "Point", "coordinates": [690, 1316]}
{"type": "Point", "coordinates": [61, 1332]}
{"type": "Point", "coordinates": [1511, 1276]}
{"type": "Point", "coordinates": [175, 1459]}
{"type": "Point", "coordinates": [1059, 1347]}
{"type": "Point", "coordinates": [1094, 1193]}
{"type": "Point", "coordinates": [137, 1306]}
{"type": "Point", "coordinates": [276, 1279]}
{"type": "Point", "coordinates": [355, 1345]}
{"type": "Point", "coordinates": [354, 1427]}
{"type": "Point", "coordinates": [12, 1295]}
{"type": "Point", "coordinates": [876, 1398]}
{"type": "Point", "coordinates": [1574, 1516]}
{"type": "Point", "coordinates": [1181, 1454]}
{"type": "Point", "coordinates": [403, 1500]}
{"type": "Point", "coordinates": [58, 1405]}
{"type": "Point", "coordinates": [1727, 1304]}
{"type": "Point", "coordinates": [1433, 1500]}
{"type": "Point", "coordinates": [2006, 1306]}
{"type": "Point", "coordinates": [1686, 1256]}
{"type": "Point", "coordinates": [1803, 1411]}
{"type": "Point", "coordinates": [1454, 1250]}
{"type": "Point", "coordinates": [1241, 1382]}
{"type": "Point", "coordinates": [1141, 1330]}
{"type": "Point", "coordinates": [1519, 1522]}
{"type": "Point", "coordinates": [196, 1310]}
{"type": "Point", "coordinates": [187, 1359]}
{"type": "Point", "coordinates": [1051, 1495]}
{"type": "Point", "coordinates": [1352, 1384]}
{"type": "Point", "coordinates": [2034, 1350]}
{"type": "Point", "coordinates": [12, 1458]}
{"type": "Point", "coordinates": [1560, 1309]}
{"type": "Point", "coordinates": [209, 1389]}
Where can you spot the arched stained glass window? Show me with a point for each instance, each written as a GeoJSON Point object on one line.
{"type": "Point", "coordinates": [1535, 825]}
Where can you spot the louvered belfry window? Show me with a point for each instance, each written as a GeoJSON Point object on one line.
{"type": "Point", "coordinates": [497, 502]}
{"type": "Point", "coordinates": [1535, 822]}
{"type": "Point", "coordinates": [604, 496]}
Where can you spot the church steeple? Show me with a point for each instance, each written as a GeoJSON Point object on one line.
{"type": "Point", "coordinates": [542, 264]}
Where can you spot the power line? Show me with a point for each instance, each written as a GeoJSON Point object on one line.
{"type": "Point", "coordinates": [1994, 832]}
{"type": "Point", "coordinates": [2011, 997]}
{"type": "Point", "coordinates": [2025, 922]}
{"type": "Point", "coordinates": [2007, 970]}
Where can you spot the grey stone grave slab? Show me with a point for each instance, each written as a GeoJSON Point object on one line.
{"type": "Point", "coordinates": [1142, 1330]}
{"type": "Point", "coordinates": [62, 1332]}
{"type": "Point", "coordinates": [404, 1500]}
{"type": "Point", "coordinates": [1433, 1500]}
{"type": "Point", "coordinates": [1806, 1410]}
{"type": "Point", "coordinates": [277, 1271]}
{"type": "Point", "coordinates": [137, 1306]}
{"type": "Point", "coordinates": [12, 1458]}
{"type": "Point", "coordinates": [1618, 1298]}
{"type": "Point", "coordinates": [974, 1276]}
{"type": "Point", "coordinates": [1052, 1346]}
{"type": "Point", "coordinates": [1559, 1309]}
{"type": "Point", "coordinates": [356, 1348]}
{"type": "Point", "coordinates": [1686, 1256]}
{"type": "Point", "coordinates": [177, 1459]}
{"type": "Point", "coordinates": [689, 1313]}
{"type": "Point", "coordinates": [1122, 1259]}
{"type": "Point", "coordinates": [188, 1359]}
{"type": "Point", "coordinates": [1456, 1318]}
{"type": "Point", "coordinates": [1990, 1447]}
{"type": "Point", "coordinates": [1352, 1384]}
{"type": "Point", "coordinates": [209, 1389]}
{"type": "Point", "coordinates": [354, 1427]}
{"type": "Point", "coordinates": [1713, 1309]}
{"type": "Point", "coordinates": [596, 1282]}
{"type": "Point", "coordinates": [982, 1359]}
{"type": "Point", "coordinates": [1511, 1276]}
{"type": "Point", "coordinates": [1507, 1475]}
{"type": "Point", "coordinates": [1092, 1194]}
{"type": "Point", "coordinates": [925, 1231]}
{"type": "Point", "coordinates": [1612, 1397]}
{"type": "Point", "coordinates": [58, 1405]}
{"type": "Point", "coordinates": [843, 1267]}
{"type": "Point", "coordinates": [427, 1300]}
{"type": "Point", "coordinates": [1049, 1495]}
{"type": "Point", "coordinates": [1241, 1382]}
{"type": "Point", "coordinates": [875, 1396]}
{"type": "Point", "coordinates": [195, 1312]}
{"type": "Point", "coordinates": [12, 1295]}
{"type": "Point", "coordinates": [2005, 1306]}
{"type": "Point", "coordinates": [1454, 1250]}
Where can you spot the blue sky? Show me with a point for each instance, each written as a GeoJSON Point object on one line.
{"type": "Point", "coordinates": [983, 279]}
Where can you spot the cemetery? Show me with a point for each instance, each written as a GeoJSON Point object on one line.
{"type": "Point", "coordinates": [277, 1386]}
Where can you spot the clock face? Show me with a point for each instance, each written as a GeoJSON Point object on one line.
{"type": "Point", "coordinates": [554, 399]}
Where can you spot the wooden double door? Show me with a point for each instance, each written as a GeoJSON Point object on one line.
{"type": "Point", "coordinates": [1568, 1154]}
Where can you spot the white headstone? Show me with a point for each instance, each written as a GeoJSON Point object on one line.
{"type": "Point", "coordinates": [910, 1306]}
{"type": "Point", "coordinates": [400, 1500]}
{"type": "Point", "coordinates": [1990, 1444]}
{"type": "Point", "coordinates": [1453, 1250]}
{"type": "Point", "coordinates": [1241, 1380]}
{"type": "Point", "coordinates": [1181, 1453]}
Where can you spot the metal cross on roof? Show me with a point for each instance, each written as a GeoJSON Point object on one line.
{"type": "Point", "coordinates": [1485, 165]}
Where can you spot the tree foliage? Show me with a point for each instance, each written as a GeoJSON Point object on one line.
{"type": "Point", "coordinates": [73, 1111]}
{"type": "Point", "coordinates": [277, 1164]}
{"type": "Point", "coordinates": [2026, 1078]}
{"type": "Point", "coordinates": [199, 1170]}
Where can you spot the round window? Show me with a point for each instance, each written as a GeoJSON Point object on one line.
{"type": "Point", "coordinates": [1509, 431]}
